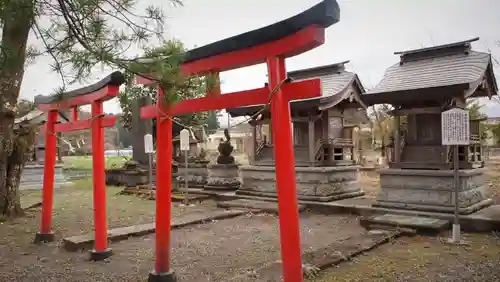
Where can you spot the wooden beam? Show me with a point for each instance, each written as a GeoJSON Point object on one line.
{"type": "Point", "coordinates": [102, 94]}
{"type": "Point", "coordinates": [293, 91]}
{"type": "Point", "coordinates": [414, 111]}
{"type": "Point", "coordinates": [312, 142]}
{"type": "Point", "coordinates": [106, 121]}
{"type": "Point", "coordinates": [292, 45]}
{"type": "Point", "coordinates": [397, 140]}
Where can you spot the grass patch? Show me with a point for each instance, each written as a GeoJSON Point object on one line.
{"type": "Point", "coordinates": [416, 259]}
{"type": "Point", "coordinates": [85, 162]}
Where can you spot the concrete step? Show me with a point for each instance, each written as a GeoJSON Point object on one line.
{"type": "Point", "coordinates": [255, 205]}
{"type": "Point", "coordinates": [393, 221]}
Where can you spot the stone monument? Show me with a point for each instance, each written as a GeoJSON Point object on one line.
{"type": "Point", "coordinates": [140, 128]}
{"type": "Point", "coordinates": [223, 175]}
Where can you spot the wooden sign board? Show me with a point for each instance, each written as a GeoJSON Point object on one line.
{"type": "Point", "coordinates": [184, 136]}
{"type": "Point", "coordinates": [455, 128]}
{"type": "Point", "coordinates": [148, 144]}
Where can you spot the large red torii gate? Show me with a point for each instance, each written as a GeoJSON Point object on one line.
{"type": "Point", "coordinates": [95, 95]}
{"type": "Point", "coordinates": [270, 45]}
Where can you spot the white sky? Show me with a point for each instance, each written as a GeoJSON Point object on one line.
{"type": "Point", "coordinates": [368, 34]}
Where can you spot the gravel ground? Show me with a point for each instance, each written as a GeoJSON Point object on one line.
{"type": "Point", "coordinates": [214, 251]}
{"type": "Point", "coordinates": [426, 258]}
{"type": "Point", "coordinates": [493, 178]}
{"type": "Point", "coordinates": [219, 250]}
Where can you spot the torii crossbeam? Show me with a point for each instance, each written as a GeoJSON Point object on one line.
{"type": "Point", "coordinates": [270, 45]}
{"type": "Point", "coordinates": [95, 95]}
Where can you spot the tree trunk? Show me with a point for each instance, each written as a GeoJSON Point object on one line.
{"type": "Point", "coordinates": [16, 25]}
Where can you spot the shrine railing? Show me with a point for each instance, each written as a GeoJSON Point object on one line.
{"type": "Point", "coordinates": [402, 143]}
{"type": "Point", "coordinates": [340, 141]}
{"type": "Point", "coordinates": [475, 138]}
{"type": "Point", "coordinates": [318, 153]}
{"type": "Point", "coordinates": [260, 148]}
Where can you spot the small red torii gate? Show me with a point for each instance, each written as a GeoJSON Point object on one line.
{"type": "Point", "coordinates": [94, 95]}
{"type": "Point", "coordinates": [273, 53]}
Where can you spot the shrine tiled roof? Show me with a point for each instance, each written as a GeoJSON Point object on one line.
{"type": "Point", "coordinates": [334, 78]}
{"type": "Point", "coordinates": [452, 65]}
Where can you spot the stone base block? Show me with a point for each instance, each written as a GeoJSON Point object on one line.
{"type": "Point", "coordinates": [223, 177]}
{"type": "Point", "coordinates": [100, 255]}
{"type": "Point", "coordinates": [44, 238]}
{"type": "Point", "coordinates": [162, 277]}
{"type": "Point", "coordinates": [197, 174]}
{"type": "Point", "coordinates": [125, 177]}
{"type": "Point", "coordinates": [313, 183]}
{"type": "Point", "coordinates": [32, 177]}
{"type": "Point", "coordinates": [432, 190]}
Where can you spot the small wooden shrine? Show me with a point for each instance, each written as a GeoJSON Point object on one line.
{"type": "Point", "coordinates": [420, 87]}
{"type": "Point", "coordinates": [35, 119]}
{"type": "Point", "coordinates": [323, 140]}
{"type": "Point", "coordinates": [32, 177]}
{"type": "Point", "coordinates": [320, 134]}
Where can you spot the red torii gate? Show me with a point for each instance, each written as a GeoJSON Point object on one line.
{"type": "Point", "coordinates": [94, 95]}
{"type": "Point", "coordinates": [271, 45]}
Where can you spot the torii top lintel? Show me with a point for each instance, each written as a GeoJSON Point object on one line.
{"type": "Point", "coordinates": [103, 90]}
{"type": "Point", "coordinates": [284, 39]}
{"type": "Point", "coordinates": [287, 38]}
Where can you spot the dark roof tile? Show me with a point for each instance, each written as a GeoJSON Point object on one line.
{"type": "Point", "coordinates": [434, 72]}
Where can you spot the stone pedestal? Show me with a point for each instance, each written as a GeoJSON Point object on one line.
{"type": "Point", "coordinates": [432, 190]}
{"type": "Point", "coordinates": [196, 172]}
{"type": "Point", "coordinates": [131, 175]}
{"type": "Point", "coordinates": [313, 183]}
{"type": "Point", "coordinates": [32, 177]}
{"type": "Point", "coordinates": [223, 177]}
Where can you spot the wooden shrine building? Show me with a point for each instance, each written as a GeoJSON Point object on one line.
{"type": "Point", "coordinates": [420, 87]}
{"type": "Point", "coordinates": [321, 135]}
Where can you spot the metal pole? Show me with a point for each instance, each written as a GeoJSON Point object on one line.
{"type": "Point", "coordinates": [456, 224]}
{"type": "Point", "coordinates": [150, 172]}
{"type": "Point", "coordinates": [186, 194]}
{"type": "Point", "coordinates": [118, 140]}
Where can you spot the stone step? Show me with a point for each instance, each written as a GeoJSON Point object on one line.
{"type": "Point", "coordinates": [418, 223]}
{"type": "Point", "coordinates": [264, 206]}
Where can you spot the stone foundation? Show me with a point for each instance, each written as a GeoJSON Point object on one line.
{"type": "Point", "coordinates": [124, 177]}
{"type": "Point", "coordinates": [223, 177]}
{"type": "Point", "coordinates": [432, 190]}
{"type": "Point", "coordinates": [32, 177]}
{"type": "Point", "coordinates": [313, 183]}
{"type": "Point", "coordinates": [196, 172]}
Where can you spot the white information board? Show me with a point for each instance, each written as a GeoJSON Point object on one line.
{"type": "Point", "coordinates": [184, 135]}
{"type": "Point", "coordinates": [455, 127]}
{"type": "Point", "coordinates": [148, 144]}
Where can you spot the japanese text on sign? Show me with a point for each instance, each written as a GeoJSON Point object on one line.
{"type": "Point", "coordinates": [455, 127]}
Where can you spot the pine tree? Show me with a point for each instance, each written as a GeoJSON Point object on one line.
{"type": "Point", "coordinates": [78, 35]}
